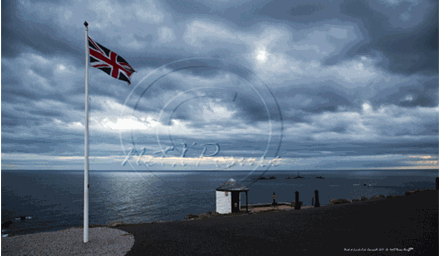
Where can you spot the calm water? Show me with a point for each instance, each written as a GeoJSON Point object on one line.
{"type": "Point", "coordinates": [54, 199]}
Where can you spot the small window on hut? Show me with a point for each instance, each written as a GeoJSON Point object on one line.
{"type": "Point", "coordinates": [226, 193]}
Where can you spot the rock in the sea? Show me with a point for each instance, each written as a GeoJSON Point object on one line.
{"type": "Point", "coordinates": [364, 198]}
{"type": "Point", "coordinates": [339, 201]}
{"type": "Point", "coordinates": [6, 224]}
{"type": "Point", "coordinates": [391, 196]}
{"type": "Point", "coordinates": [377, 197]}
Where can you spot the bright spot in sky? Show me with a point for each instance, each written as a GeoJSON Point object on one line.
{"type": "Point", "coordinates": [125, 124]}
{"type": "Point", "coordinates": [61, 67]}
{"type": "Point", "coordinates": [408, 98]}
{"type": "Point", "coordinates": [367, 108]}
{"type": "Point", "coordinates": [262, 56]}
{"type": "Point", "coordinates": [216, 112]}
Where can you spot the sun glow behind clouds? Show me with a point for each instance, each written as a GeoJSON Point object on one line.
{"type": "Point", "coordinates": [262, 55]}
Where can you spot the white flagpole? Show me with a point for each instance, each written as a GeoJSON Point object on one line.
{"type": "Point", "coordinates": [86, 142]}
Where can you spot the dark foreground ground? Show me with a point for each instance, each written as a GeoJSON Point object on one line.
{"type": "Point", "coordinates": [398, 223]}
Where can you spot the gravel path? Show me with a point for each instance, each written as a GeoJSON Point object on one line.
{"type": "Point", "coordinates": [102, 241]}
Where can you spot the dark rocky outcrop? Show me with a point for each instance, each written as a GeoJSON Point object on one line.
{"type": "Point", "coordinates": [191, 216]}
{"type": "Point", "coordinates": [201, 216]}
{"type": "Point", "coordinates": [339, 201]}
{"type": "Point", "coordinates": [293, 203]}
{"type": "Point", "coordinates": [410, 192]}
{"type": "Point", "coordinates": [115, 224]}
{"type": "Point", "coordinates": [6, 224]}
{"type": "Point", "coordinates": [377, 197]}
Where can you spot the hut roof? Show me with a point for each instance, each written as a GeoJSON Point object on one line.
{"type": "Point", "coordinates": [232, 185]}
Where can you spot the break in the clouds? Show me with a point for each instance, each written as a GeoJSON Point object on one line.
{"type": "Point", "coordinates": [311, 85]}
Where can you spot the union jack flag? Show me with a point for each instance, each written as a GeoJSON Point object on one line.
{"type": "Point", "coordinates": [109, 62]}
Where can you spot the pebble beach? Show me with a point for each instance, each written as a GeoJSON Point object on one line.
{"type": "Point", "coordinates": [102, 241]}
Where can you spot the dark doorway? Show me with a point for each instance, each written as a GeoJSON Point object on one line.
{"type": "Point", "coordinates": [235, 201]}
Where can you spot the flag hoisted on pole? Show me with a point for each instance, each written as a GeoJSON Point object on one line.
{"type": "Point", "coordinates": [114, 65]}
{"type": "Point", "coordinates": [109, 62]}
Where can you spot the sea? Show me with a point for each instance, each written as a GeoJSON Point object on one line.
{"type": "Point", "coordinates": [54, 200]}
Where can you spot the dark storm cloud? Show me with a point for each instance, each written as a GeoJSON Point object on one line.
{"type": "Point", "coordinates": [188, 7]}
{"type": "Point", "coordinates": [407, 51]}
{"type": "Point", "coordinates": [36, 82]}
{"type": "Point", "coordinates": [42, 136]}
{"type": "Point", "coordinates": [28, 118]}
{"type": "Point", "coordinates": [250, 109]}
{"type": "Point", "coordinates": [298, 102]}
{"type": "Point", "coordinates": [19, 33]}
{"type": "Point", "coordinates": [299, 11]}
{"type": "Point", "coordinates": [306, 9]}
{"type": "Point", "coordinates": [36, 145]}
{"type": "Point", "coordinates": [283, 42]}
{"type": "Point", "coordinates": [28, 32]}
{"type": "Point", "coordinates": [306, 149]}
{"type": "Point", "coordinates": [200, 72]}
{"type": "Point", "coordinates": [249, 147]}
{"type": "Point", "coordinates": [16, 94]}
{"type": "Point", "coordinates": [427, 147]}
{"type": "Point", "coordinates": [9, 120]}
{"type": "Point", "coordinates": [326, 101]}
{"type": "Point", "coordinates": [423, 93]}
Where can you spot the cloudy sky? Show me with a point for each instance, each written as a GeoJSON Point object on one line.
{"type": "Point", "coordinates": [223, 85]}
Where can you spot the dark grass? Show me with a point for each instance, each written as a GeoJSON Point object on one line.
{"type": "Point", "coordinates": [397, 222]}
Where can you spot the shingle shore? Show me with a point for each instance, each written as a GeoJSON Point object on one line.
{"type": "Point", "coordinates": [102, 241]}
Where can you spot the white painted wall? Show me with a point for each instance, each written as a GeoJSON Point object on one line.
{"type": "Point", "coordinates": [223, 202]}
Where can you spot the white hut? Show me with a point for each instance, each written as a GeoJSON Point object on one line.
{"type": "Point", "coordinates": [228, 197]}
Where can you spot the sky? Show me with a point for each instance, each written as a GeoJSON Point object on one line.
{"type": "Point", "coordinates": [222, 85]}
